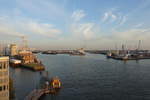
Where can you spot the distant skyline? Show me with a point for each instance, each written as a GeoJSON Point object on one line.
{"type": "Point", "coordinates": [66, 24]}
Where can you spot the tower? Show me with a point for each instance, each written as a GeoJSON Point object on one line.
{"type": "Point", "coordinates": [13, 50]}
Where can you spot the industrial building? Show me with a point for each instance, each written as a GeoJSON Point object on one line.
{"type": "Point", "coordinates": [13, 50]}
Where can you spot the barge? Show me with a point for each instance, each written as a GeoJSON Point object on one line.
{"type": "Point", "coordinates": [33, 66]}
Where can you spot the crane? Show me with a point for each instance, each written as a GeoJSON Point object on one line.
{"type": "Point", "coordinates": [139, 45]}
{"type": "Point", "coordinates": [24, 43]}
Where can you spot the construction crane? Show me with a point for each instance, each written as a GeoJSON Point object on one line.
{"type": "Point", "coordinates": [24, 43]}
{"type": "Point", "coordinates": [139, 45]}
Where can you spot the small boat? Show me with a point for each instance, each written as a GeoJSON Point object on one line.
{"type": "Point", "coordinates": [51, 86]}
{"type": "Point", "coordinates": [55, 82]}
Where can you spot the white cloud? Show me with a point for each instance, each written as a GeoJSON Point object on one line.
{"type": "Point", "coordinates": [113, 15]}
{"type": "Point", "coordinates": [19, 26]}
{"type": "Point", "coordinates": [79, 29]}
{"type": "Point", "coordinates": [9, 32]}
{"type": "Point", "coordinates": [78, 15]}
{"type": "Point", "coordinates": [138, 25]}
{"type": "Point", "coordinates": [109, 16]}
{"type": "Point", "coordinates": [41, 29]}
{"type": "Point", "coordinates": [123, 19]}
{"type": "Point", "coordinates": [129, 37]}
{"type": "Point", "coordinates": [84, 30]}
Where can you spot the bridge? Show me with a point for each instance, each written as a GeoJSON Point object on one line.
{"type": "Point", "coordinates": [35, 94]}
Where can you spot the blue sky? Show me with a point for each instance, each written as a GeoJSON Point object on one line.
{"type": "Point", "coordinates": [66, 24]}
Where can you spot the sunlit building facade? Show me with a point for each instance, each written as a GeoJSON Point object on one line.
{"type": "Point", "coordinates": [4, 78]}
{"type": "Point", "coordinates": [13, 50]}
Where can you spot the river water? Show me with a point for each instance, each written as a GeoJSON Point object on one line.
{"type": "Point", "coordinates": [90, 77]}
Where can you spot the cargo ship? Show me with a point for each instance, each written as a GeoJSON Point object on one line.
{"type": "Point", "coordinates": [26, 59]}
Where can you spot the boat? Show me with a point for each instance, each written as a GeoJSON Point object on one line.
{"type": "Point", "coordinates": [15, 62]}
{"type": "Point", "coordinates": [51, 86]}
{"type": "Point", "coordinates": [34, 66]}
{"type": "Point", "coordinates": [109, 55]}
{"type": "Point", "coordinates": [55, 82]}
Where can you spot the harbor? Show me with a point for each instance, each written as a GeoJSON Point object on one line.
{"type": "Point", "coordinates": [127, 54]}
{"type": "Point", "coordinates": [108, 76]}
{"type": "Point", "coordinates": [78, 52]}
{"type": "Point", "coordinates": [74, 50]}
{"type": "Point", "coordinates": [47, 86]}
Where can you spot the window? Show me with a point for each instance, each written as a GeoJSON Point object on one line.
{"type": "Point", "coordinates": [0, 88]}
{"type": "Point", "coordinates": [4, 65]}
{"type": "Point", "coordinates": [7, 87]}
{"type": "Point", "coordinates": [4, 87]}
{"type": "Point", "coordinates": [0, 65]}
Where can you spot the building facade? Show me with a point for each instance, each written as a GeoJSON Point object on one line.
{"type": "Point", "coordinates": [13, 50]}
{"type": "Point", "coordinates": [4, 78]}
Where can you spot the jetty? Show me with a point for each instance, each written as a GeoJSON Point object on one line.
{"type": "Point", "coordinates": [49, 87]}
{"type": "Point", "coordinates": [35, 94]}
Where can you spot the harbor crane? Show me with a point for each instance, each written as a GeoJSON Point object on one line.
{"type": "Point", "coordinates": [24, 43]}
{"type": "Point", "coordinates": [139, 45]}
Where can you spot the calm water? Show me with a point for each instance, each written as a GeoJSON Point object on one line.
{"type": "Point", "coordinates": [90, 77]}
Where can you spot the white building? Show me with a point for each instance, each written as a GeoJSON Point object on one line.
{"type": "Point", "coordinates": [4, 78]}
{"type": "Point", "coordinates": [13, 49]}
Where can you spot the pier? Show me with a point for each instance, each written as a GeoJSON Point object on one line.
{"type": "Point", "coordinates": [48, 88]}
{"type": "Point", "coordinates": [36, 94]}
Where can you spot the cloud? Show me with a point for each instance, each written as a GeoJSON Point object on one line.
{"type": "Point", "coordinates": [113, 15]}
{"type": "Point", "coordinates": [138, 25]}
{"type": "Point", "coordinates": [123, 19]}
{"type": "Point", "coordinates": [7, 28]}
{"type": "Point", "coordinates": [133, 34]}
{"type": "Point", "coordinates": [34, 27]}
{"type": "Point", "coordinates": [26, 26]}
{"type": "Point", "coordinates": [83, 30]}
{"type": "Point", "coordinates": [48, 9]}
{"type": "Point", "coordinates": [9, 32]}
{"type": "Point", "coordinates": [109, 16]}
{"type": "Point", "coordinates": [78, 15]}
{"type": "Point", "coordinates": [129, 37]}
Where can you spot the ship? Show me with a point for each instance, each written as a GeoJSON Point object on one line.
{"type": "Point", "coordinates": [30, 61]}
{"type": "Point", "coordinates": [51, 85]}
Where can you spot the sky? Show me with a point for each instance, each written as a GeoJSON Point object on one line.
{"type": "Point", "coordinates": [72, 24]}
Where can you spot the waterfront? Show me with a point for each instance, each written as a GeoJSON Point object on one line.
{"type": "Point", "coordinates": [91, 77]}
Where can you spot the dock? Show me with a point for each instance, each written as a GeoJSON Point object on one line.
{"type": "Point", "coordinates": [52, 87]}
{"type": "Point", "coordinates": [36, 94]}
